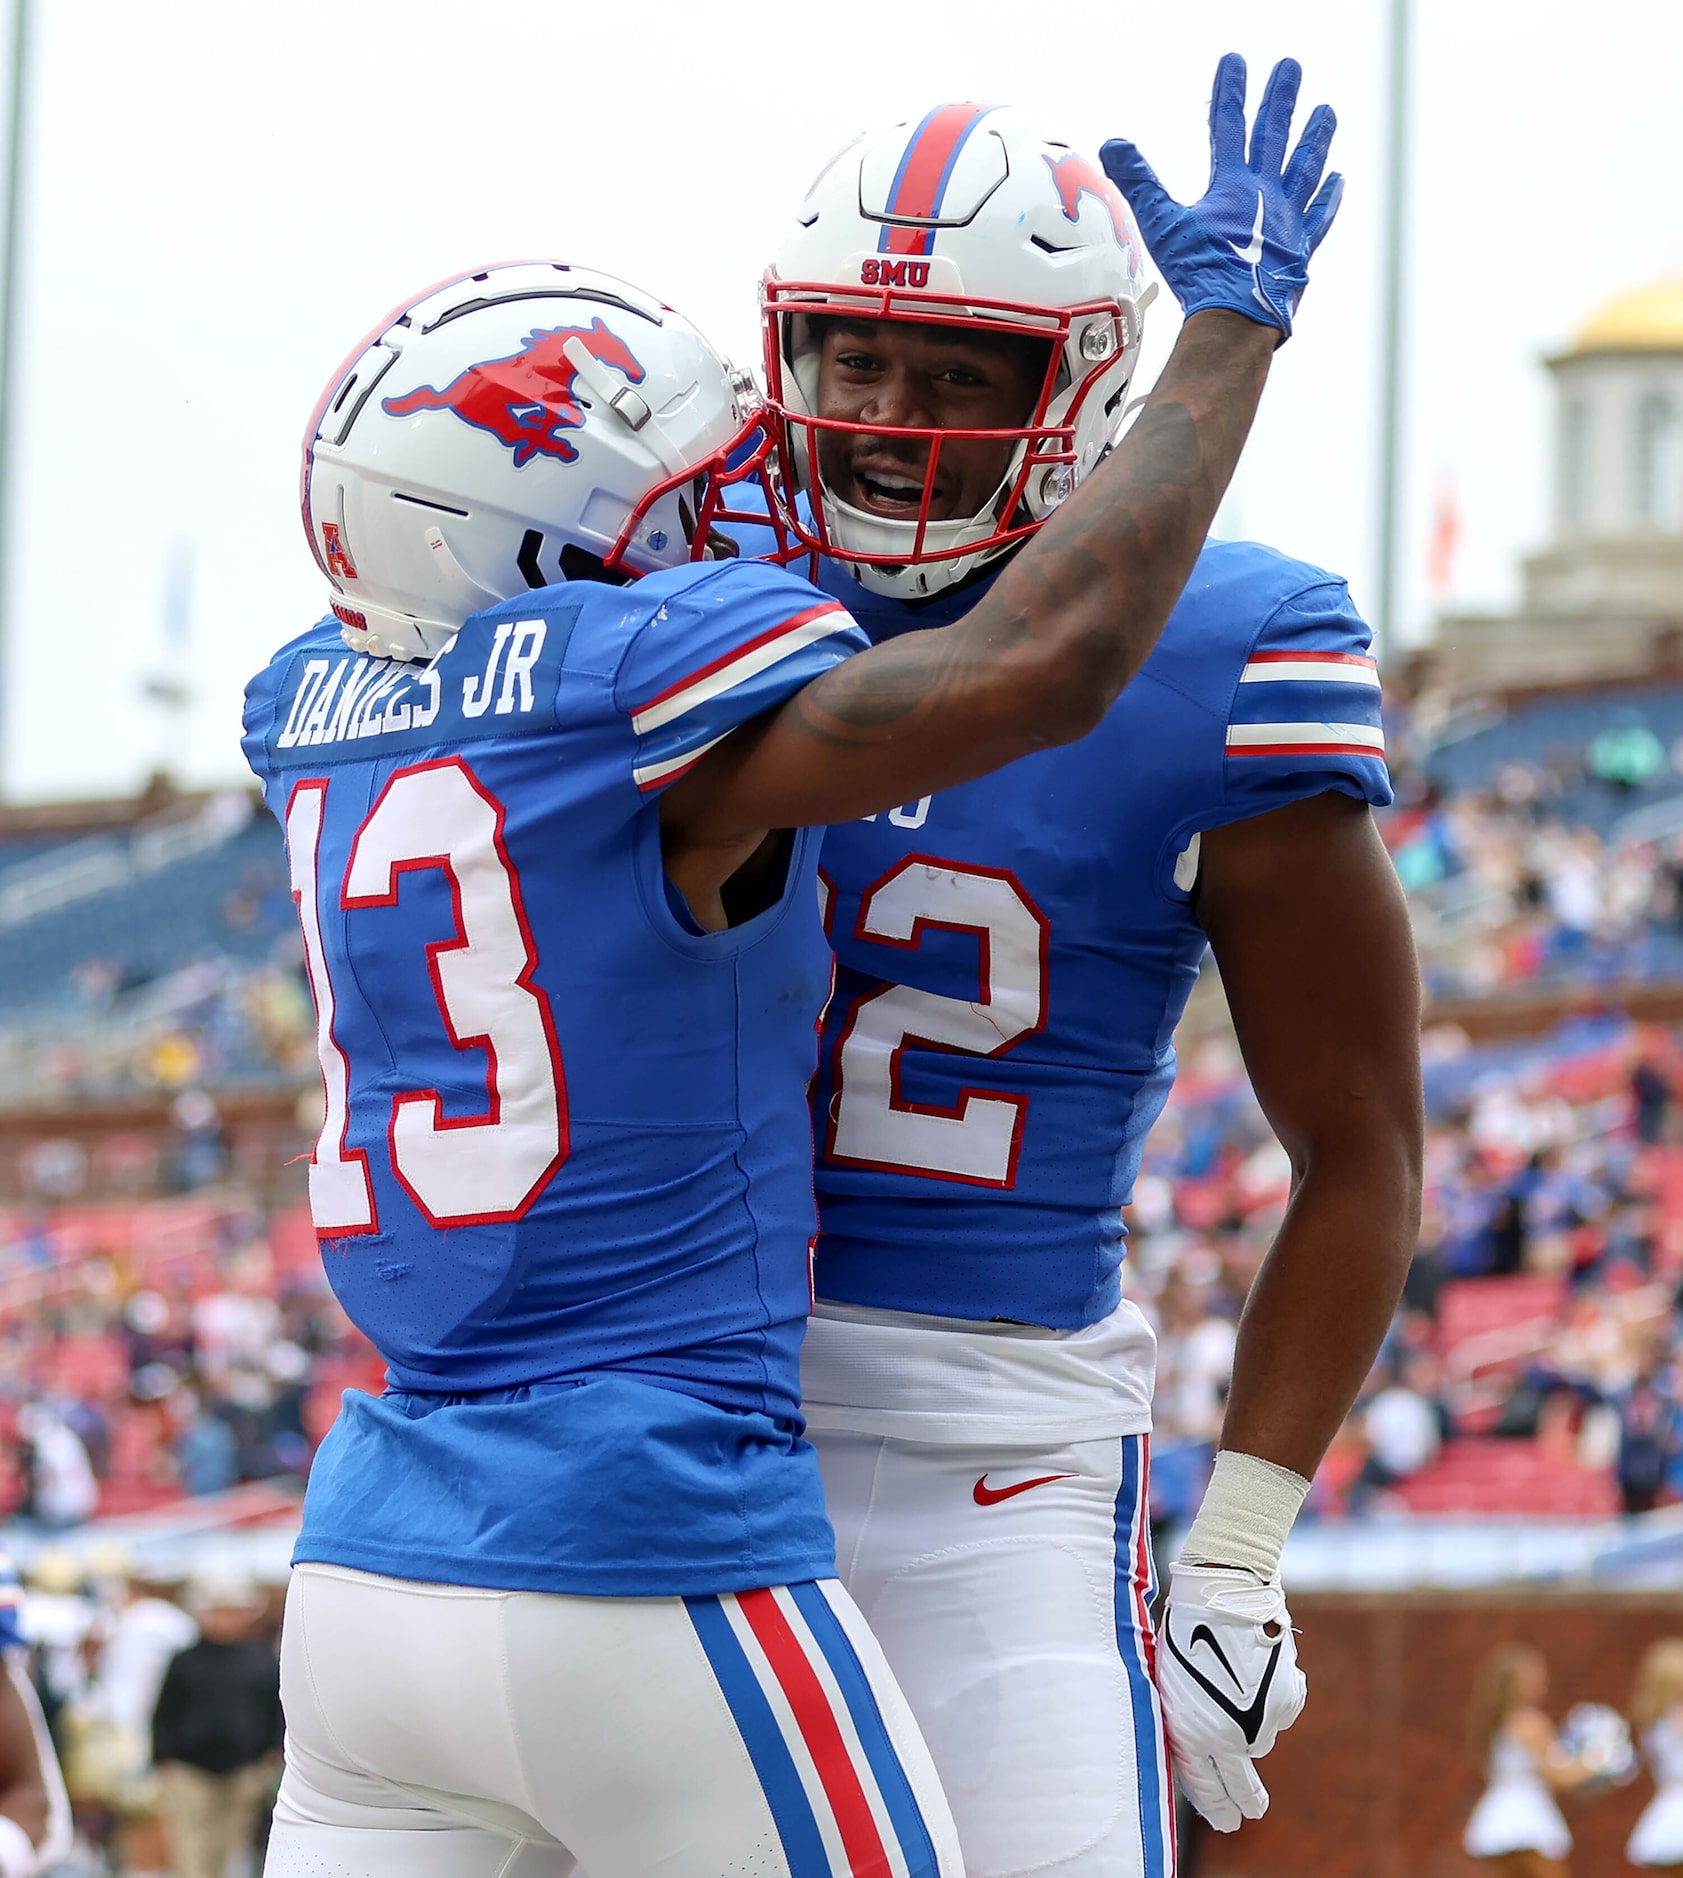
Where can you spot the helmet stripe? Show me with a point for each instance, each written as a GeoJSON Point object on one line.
{"type": "Point", "coordinates": [927, 165]}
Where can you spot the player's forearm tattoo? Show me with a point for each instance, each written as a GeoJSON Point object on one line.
{"type": "Point", "coordinates": [1168, 443]}
{"type": "Point", "coordinates": [867, 699]}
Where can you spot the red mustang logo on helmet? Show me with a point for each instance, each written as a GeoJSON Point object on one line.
{"type": "Point", "coordinates": [1075, 177]}
{"type": "Point", "coordinates": [526, 400]}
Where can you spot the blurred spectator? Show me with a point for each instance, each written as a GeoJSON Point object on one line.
{"type": "Point", "coordinates": [1651, 1088]}
{"type": "Point", "coordinates": [1424, 1281]}
{"type": "Point", "coordinates": [1516, 1820]}
{"type": "Point", "coordinates": [1195, 1342]}
{"type": "Point", "coordinates": [1403, 1427]}
{"type": "Point", "coordinates": [1647, 1444]}
{"type": "Point", "coordinates": [104, 1711]}
{"type": "Point", "coordinates": [144, 1632]}
{"type": "Point", "coordinates": [1507, 1232]}
{"type": "Point", "coordinates": [1656, 1712]}
{"type": "Point", "coordinates": [201, 1155]}
{"type": "Point", "coordinates": [1193, 1313]}
{"type": "Point", "coordinates": [60, 1487]}
{"type": "Point", "coordinates": [216, 1730]}
{"type": "Point", "coordinates": [206, 1450]}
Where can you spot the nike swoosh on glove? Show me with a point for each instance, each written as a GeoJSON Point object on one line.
{"type": "Point", "coordinates": [1245, 246]}
{"type": "Point", "coordinates": [1228, 1678]}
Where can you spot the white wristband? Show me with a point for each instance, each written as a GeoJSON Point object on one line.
{"type": "Point", "coordinates": [1246, 1512]}
{"type": "Point", "coordinates": [17, 1850]}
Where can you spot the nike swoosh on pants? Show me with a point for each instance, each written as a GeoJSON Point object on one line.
{"type": "Point", "coordinates": [984, 1495]}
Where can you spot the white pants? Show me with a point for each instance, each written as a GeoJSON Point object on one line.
{"type": "Point", "coordinates": [444, 1732]}
{"type": "Point", "coordinates": [1007, 1581]}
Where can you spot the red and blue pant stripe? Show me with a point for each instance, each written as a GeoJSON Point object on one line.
{"type": "Point", "coordinates": [842, 1801]}
{"type": "Point", "coordinates": [1136, 1584]}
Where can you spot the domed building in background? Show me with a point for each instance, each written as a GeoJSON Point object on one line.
{"type": "Point", "coordinates": [1605, 598]}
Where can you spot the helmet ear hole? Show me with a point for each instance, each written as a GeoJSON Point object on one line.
{"type": "Point", "coordinates": [531, 546]}
{"type": "Point", "coordinates": [580, 564]}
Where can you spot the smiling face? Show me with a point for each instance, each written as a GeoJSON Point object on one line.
{"type": "Point", "coordinates": [902, 375]}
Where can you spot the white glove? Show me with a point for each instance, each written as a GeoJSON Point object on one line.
{"type": "Point", "coordinates": [1228, 1677]}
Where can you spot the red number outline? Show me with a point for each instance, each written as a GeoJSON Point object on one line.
{"type": "Point", "coordinates": [910, 1039]}
{"type": "Point", "coordinates": [524, 980]}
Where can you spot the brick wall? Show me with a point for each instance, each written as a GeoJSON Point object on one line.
{"type": "Point", "coordinates": [1377, 1778]}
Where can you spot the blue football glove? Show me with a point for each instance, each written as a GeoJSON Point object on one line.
{"type": "Point", "coordinates": [1246, 245]}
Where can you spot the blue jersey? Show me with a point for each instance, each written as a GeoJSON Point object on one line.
{"type": "Point", "coordinates": [564, 1183]}
{"type": "Point", "coordinates": [1014, 954]}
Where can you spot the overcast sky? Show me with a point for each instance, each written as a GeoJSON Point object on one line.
{"type": "Point", "coordinates": [223, 198]}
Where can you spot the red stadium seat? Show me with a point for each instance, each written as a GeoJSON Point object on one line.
{"type": "Point", "coordinates": [1469, 1307]}
{"type": "Point", "coordinates": [1509, 1477]}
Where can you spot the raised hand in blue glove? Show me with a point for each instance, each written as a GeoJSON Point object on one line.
{"type": "Point", "coordinates": [1246, 245]}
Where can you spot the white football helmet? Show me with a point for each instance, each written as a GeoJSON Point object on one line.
{"type": "Point", "coordinates": [970, 218]}
{"type": "Point", "coordinates": [510, 428]}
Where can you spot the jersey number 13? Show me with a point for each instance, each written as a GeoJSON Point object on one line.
{"type": "Point", "coordinates": [459, 1171]}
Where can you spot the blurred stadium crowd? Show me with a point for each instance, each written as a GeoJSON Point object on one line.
{"type": "Point", "coordinates": [1535, 1365]}
{"type": "Point", "coordinates": [165, 1329]}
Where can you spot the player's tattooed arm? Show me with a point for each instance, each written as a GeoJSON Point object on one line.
{"type": "Point", "coordinates": [1040, 658]}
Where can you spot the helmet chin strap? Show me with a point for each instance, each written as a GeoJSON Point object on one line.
{"type": "Point", "coordinates": [950, 535]}
{"type": "Point", "coordinates": [928, 575]}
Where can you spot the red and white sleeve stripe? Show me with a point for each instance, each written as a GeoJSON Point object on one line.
{"type": "Point", "coordinates": [1324, 739]}
{"type": "Point", "coordinates": [681, 723]}
{"type": "Point", "coordinates": [1326, 668]}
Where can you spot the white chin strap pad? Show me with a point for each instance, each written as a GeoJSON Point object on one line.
{"type": "Point", "coordinates": [395, 636]}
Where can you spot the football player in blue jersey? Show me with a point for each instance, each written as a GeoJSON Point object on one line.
{"type": "Point", "coordinates": [565, 1592]}
{"type": "Point", "coordinates": [951, 329]}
